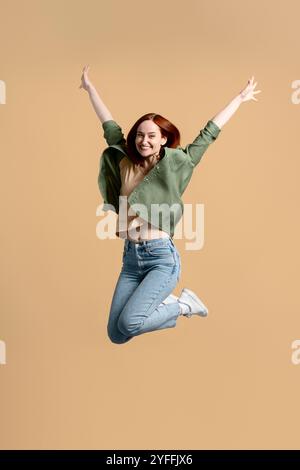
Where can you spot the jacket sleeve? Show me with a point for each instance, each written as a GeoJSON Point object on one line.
{"type": "Point", "coordinates": [113, 133]}
{"type": "Point", "coordinates": [207, 135]}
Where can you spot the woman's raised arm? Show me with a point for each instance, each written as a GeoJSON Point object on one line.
{"type": "Point", "coordinates": [101, 110]}
{"type": "Point", "coordinates": [245, 95]}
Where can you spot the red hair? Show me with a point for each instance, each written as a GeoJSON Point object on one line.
{"type": "Point", "coordinates": [167, 129]}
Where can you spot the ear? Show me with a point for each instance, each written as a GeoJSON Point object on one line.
{"type": "Point", "coordinates": [164, 140]}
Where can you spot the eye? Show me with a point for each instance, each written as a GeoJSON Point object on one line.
{"type": "Point", "coordinates": [151, 136]}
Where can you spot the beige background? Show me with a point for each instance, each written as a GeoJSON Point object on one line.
{"type": "Point", "coordinates": [222, 382]}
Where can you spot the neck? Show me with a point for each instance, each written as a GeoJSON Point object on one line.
{"type": "Point", "coordinates": [154, 155]}
{"type": "Point", "coordinates": [150, 160]}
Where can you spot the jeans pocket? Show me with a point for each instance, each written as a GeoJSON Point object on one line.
{"type": "Point", "coordinates": [160, 251]}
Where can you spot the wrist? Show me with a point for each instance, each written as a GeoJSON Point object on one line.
{"type": "Point", "coordinates": [90, 88]}
{"type": "Point", "coordinates": [240, 97]}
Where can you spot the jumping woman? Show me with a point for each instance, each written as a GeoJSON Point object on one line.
{"type": "Point", "coordinates": [142, 179]}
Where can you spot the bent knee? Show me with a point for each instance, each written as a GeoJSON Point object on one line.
{"type": "Point", "coordinates": [127, 327]}
{"type": "Point", "coordinates": [117, 338]}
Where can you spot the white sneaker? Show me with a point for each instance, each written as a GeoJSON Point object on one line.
{"type": "Point", "coordinates": [170, 299]}
{"type": "Point", "coordinates": [195, 305]}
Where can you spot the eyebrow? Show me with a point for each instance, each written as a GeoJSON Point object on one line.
{"type": "Point", "coordinates": [151, 132]}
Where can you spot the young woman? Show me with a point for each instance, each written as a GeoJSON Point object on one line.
{"type": "Point", "coordinates": [142, 178]}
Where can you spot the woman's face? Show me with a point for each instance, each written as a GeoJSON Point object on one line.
{"type": "Point", "coordinates": [148, 138]}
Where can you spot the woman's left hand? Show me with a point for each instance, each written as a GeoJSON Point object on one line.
{"type": "Point", "coordinates": [248, 92]}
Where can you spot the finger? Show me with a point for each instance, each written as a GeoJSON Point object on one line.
{"type": "Point", "coordinates": [254, 98]}
{"type": "Point", "coordinates": [252, 79]}
{"type": "Point", "coordinates": [258, 91]}
{"type": "Point", "coordinates": [254, 84]}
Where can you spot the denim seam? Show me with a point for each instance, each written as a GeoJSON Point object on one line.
{"type": "Point", "coordinates": [179, 267]}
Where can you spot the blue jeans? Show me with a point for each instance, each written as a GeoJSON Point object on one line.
{"type": "Point", "coordinates": [150, 271]}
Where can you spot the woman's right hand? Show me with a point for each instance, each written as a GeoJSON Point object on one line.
{"type": "Point", "coordinates": [85, 82]}
{"type": "Point", "coordinates": [247, 93]}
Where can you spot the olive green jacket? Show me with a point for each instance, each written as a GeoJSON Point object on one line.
{"type": "Point", "coordinates": [157, 198]}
